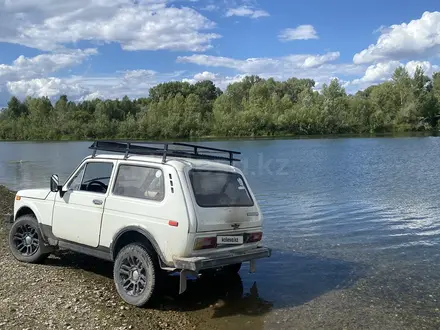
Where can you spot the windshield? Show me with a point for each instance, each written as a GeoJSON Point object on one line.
{"type": "Point", "coordinates": [219, 189]}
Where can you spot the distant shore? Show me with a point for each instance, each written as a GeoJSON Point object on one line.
{"type": "Point", "coordinates": [253, 107]}
{"type": "Point", "coordinates": [251, 138]}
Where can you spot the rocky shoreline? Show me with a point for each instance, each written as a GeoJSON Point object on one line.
{"type": "Point", "coordinates": [6, 200]}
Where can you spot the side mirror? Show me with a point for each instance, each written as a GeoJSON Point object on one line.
{"type": "Point", "coordinates": [54, 183]}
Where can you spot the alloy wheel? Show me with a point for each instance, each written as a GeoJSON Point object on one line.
{"type": "Point", "coordinates": [133, 275]}
{"type": "Point", "coordinates": [26, 240]}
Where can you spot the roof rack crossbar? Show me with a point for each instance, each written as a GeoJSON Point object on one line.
{"type": "Point", "coordinates": [206, 148]}
{"type": "Point", "coordinates": [198, 151]}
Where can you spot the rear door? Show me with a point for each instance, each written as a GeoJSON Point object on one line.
{"type": "Point", "coordinates": [223, 201]}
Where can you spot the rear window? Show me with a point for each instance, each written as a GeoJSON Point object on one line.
{"type": "Point", "coordinates": [219, 189]}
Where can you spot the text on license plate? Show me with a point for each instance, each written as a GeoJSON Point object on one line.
{"type": "Point", "coordinates": [229, 239]}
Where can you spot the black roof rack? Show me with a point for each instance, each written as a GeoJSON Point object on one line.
{"type": "Point", "coordinates": [164, 149]}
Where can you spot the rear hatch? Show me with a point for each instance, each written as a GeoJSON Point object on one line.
{"type": "Point", "coordinates": [223, 201]}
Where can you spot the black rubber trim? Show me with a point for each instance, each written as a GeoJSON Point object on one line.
{"type": "Point", "coordinates": [46, 230]}
{"type": "Point", "coordinates": [143, 232]}
{"type": "Point", "coordinates": [101, 252]}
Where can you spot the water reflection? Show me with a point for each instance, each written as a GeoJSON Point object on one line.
{"type": "Point", "coordinates": [286, 280]}
{"type": "Point", "coordinates": [223, 293]}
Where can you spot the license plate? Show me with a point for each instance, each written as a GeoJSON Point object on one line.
{"type": "Point", "coordinates": [229, 239]}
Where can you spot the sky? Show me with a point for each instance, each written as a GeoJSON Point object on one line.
{"type": "Point", "coordinates": [111, 48]}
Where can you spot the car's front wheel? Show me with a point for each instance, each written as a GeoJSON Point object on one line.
{"type": "Point", "coordinates": [135, 274]}
{"type": "Point", "coordinates": [25, 240]}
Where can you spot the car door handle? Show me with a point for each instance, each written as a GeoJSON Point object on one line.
{"type": "Point", "coordinates": [97, 202]}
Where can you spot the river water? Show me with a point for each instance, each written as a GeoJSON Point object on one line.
{"type": "Point", "coordinates": [346, 217]}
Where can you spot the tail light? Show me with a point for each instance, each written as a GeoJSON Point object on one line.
{"type": "Point", "coordinates": [205, 243]}
{"type": "Point", "coordinates": [255, 237]}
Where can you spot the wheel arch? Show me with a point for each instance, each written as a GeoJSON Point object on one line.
{"type": "Point", "coordinates": [132, 234]}
{"type": "Point", "coordinates": [26, 210]}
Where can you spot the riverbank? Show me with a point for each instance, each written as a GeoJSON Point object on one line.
{"type": "Point", "coordinates": [214, 138]}
{"type": "Point", "coordinates": [6, 201]}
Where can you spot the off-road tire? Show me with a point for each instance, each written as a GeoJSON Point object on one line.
{"type": "Point", "coordinates": [144, 262]}
{"type": "Point", "coordinates": [26, 241]}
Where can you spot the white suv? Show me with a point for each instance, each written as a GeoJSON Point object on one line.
{"type": "Point", "coordinates": [155, 208]}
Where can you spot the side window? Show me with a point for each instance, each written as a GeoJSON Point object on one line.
{"type": "Point", "coordinates": [75, 183]}
{"type": "Point", "coordinates": [94, 176]}
{"type": "Point", "coordinates": [140, 182]}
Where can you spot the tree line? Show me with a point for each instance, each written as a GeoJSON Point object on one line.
{"type": "Point", "coordinates": [251, 107]}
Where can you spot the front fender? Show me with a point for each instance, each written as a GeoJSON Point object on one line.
{"type": "Point", "coordinates": [25, 206]}
{"type": "Point", "coordinates": [41, 208]}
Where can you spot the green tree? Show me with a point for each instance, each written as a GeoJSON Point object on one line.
{"type": "Point", "coordinates": [251, 107]}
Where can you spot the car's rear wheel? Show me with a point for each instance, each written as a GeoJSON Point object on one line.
{"type": "Point", "coordinates": [25, 240]}
{"type": "Point", "coordinates": [135, 274]}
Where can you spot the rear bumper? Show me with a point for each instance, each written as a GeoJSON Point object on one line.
{"type": "Point", "coordinates": [197, 263]}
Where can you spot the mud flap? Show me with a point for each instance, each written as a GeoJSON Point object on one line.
{"type": "Point", "coordinates": [183, 280]}
{"type": "Point", "coordinates": [252, 266]}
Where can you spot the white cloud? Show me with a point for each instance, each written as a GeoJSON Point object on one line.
{"type": "Point", "coordinates": [42, 65]}
{"type": "Point", "coordinates": [136, 83]}
{"type": "Point", "coordinates": [312, 61]}
{"type": "Point", "coordinates": [420, 37]}
{"type": "Point", "coordinates": [427, 66]}
{"type": "Point", "coordinates": [302, 32]}
{"type": "Point", "coordinates": [133, 83]}
{"type": "Point", "coordinates": [92, 96]}
{"type": "Point", "coordinates": [317, 67]}
{"type": "Point", "coordinates": [245, 11]}
{"type": "Point", "coordinates": [50, 87]}
{"type": "Point", "coordinates": [138, 75]}
{"type": "Point", "coordinates": [220, 81]}
{"type": "Point", "coordinates": [205, 76]}
{"type": "Point", "coordinates": [256, 65]}
{"type": "Point", "coordinates": [380, 72]}
{"type": "Point", "coordinates": [135, 25]}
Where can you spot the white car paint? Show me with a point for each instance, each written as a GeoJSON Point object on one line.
{"type": "Point", "coordinates": [35, 193]}
{"type": "Point", "coordinates": [76, 218]}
